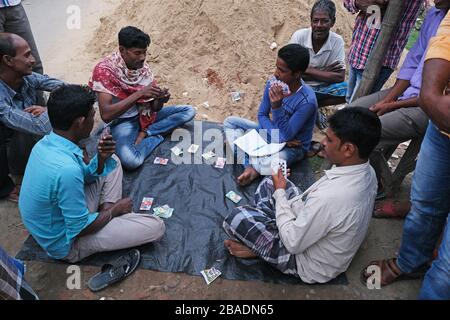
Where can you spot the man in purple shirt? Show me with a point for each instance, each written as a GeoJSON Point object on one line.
{"type": "Point", "coordinates": [401, 117]}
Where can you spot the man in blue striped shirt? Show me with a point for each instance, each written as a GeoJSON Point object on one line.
{"type": "Point", "coordinates": [22, 121]}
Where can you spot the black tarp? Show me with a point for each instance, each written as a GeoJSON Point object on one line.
{"type": "Point", "coordinates": [194, 236]}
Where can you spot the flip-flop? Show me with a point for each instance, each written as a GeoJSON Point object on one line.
{"type": "Point", "coordinates": [116, 271]}
{"type": "Point", "coordinates": [314, 149]}
{"type": "Point", "coordinates": [389, 211]}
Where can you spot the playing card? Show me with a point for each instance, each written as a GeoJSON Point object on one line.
{"type": "Point", "coordinates": [106, 132]}
{"type": "Point", "coordinates": [177, 151]}
{"type": "Point", "coordinates": [274, 81]}
{"type": "Point", "coordinates": [164, 212]}
{"type": "Point", "coordinates": [193, 148]}
{"type": "Point", "coordinates": [233, 196]}
{"type": "Point", "coordinates": [161, 161]}
{"type": "Point", "coordinates": [220, 163]}
{"type": "Point", "coordinates": [277, 164]}
{"type": "Point", "coordinates": [208, 155]}
{"type": "Point", "coordinates": [146, 204]}
{"type": "Point", "coordinates": [210, 275]}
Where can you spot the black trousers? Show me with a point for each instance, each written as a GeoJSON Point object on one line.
{"type": "Point", "coordinates": [6, 184]}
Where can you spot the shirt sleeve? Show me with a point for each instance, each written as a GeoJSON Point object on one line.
{"type": "Point", "coordinates": [264, 112]}
{"type": "Point", "coordinates": [90, 172]}
{"type": "Point", "coordinates": [350, 5]}
{"type": "Point", "coordinates": [72, 203]}
{"type": "Point", "coordinates": [22, 121]}
{"type": "Point", "coordinates": [290, 125]}
{"type": "Point", "coordinates": [44, 82]}
{"type": "Point", "coordinates": [338, 53]}
{"type": "Point", "coordinates": [305, 227]}
{"type": "Point", "coordinates": [295, 38]}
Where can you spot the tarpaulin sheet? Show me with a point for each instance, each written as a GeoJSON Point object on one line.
{"type": "Point", "coordinates": [194, 235]}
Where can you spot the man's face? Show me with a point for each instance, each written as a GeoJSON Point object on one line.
{"type": "Point", "coordinates": [24, 61]}
{"type": "Point", "coordinates": [321, 24]}
{"type": "Point", "coordinates": [442, 4]}
{"type": "Point", "coordinates": [283, 73]}
{"type": "Point", "coordinates": [332, 148]}
{"type": "Point", "coordinates": [87, 125]}
{"type": "Point", "coordinates": [134, 57]}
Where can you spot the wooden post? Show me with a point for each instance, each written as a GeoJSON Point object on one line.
{"type": "Point", "coordinates": [391, 20]}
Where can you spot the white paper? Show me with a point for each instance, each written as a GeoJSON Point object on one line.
{"type": "Point", "coordinates": [255, 146]}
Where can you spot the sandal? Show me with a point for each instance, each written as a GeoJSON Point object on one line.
{"type": "Point", "coordinates": [390, 272]}
{"type": "Point", "coordinates": [314, 149]}
{"type": "Point", "coordinates": [114, 272]}
{"type": "Point", "coordinates": [391, 209]}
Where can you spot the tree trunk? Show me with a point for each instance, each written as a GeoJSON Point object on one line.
{"type": "Point", "coordinates": [391, 20]}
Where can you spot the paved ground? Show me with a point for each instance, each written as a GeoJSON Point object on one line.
{"type": "Point", "coordinates": [49, 280]}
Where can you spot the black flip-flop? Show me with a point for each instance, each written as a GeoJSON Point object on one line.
{"type": "Point", "coordinates": [115, 271]}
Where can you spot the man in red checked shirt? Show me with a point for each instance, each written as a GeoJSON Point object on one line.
{"type": "Point", "coordinates": [365, 35]}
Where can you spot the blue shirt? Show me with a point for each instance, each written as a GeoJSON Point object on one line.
{"type": "Point", "coordinates": [52, 199]}
{"type": "Point", "coordinates": [13, 103]}
{"type": "Point", "coordinates": [9, 3]}
{"type": "Point", "coordinates": [295, 118]}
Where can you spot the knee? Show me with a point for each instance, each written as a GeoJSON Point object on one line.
{"type": "Point", "coordinates": [131, 164]}
{"type": "Point", "coordinates": [229, 123]}
{"type": "Point", "coordinates": [189, 112]}
{"type": "Point", "coordinates": [156, 229]}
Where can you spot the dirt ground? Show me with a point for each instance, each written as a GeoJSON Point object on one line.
{"type": "Point", "coordinates": [218, 47]}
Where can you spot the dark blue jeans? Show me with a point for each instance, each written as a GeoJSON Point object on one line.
{"type": "Point", "coordinates": [430, 198]}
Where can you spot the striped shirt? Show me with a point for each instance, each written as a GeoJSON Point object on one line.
{"type": "Point", "coordinates": [365, 36]}
{"type": "Point", "coordinates": [9, 3]}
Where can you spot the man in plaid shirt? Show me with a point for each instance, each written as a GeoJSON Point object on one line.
{"type": "Point", "coordinates": [365, 36]}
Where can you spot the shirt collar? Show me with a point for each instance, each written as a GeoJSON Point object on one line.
{"type": "Point", "coordinates": [65, 144]}
{"type": "Point", "coordinates": [9, 91]}
{"type": "Point", "coordinates": [326, 46]}
{"type": "Point", "coordinates": [336, 172]}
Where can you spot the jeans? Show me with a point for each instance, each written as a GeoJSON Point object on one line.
{"type": "Point", "coordinates": [355, 77]}
{"type": "Point", "coordinates": [125, 132]}
{"type": "Point", "coordinates": [236, 127]}
{"type": "Point", "coordinates": [429, 213]}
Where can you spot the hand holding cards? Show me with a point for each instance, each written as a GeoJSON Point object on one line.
{"type": "Point", "coordinates": [274, 81]}
{"type": "Point", "coordinates": [279, 164]}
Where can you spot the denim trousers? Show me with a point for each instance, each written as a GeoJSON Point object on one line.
{"type": "Point", "coordinates": [125, 132]}
{"type": "Point", "coordinates": [355, 77]}
{"type": "Point", "coordinates": [430, 198]}
{"type": "Point", "coordinates": [236, 127]}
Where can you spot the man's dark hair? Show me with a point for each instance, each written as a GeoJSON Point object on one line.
{"type": "Point", "coordinates": [359, 126]}
{"type": "Point", "coordinates": [325, 5]}
{"type": "Point", "coordinates": [7, 45]}
{"type": "Point", "coordinates": [295, 56]}
{"type": "Point", "coordinates": [132, 37]}
{"type": "Point", "coordinates": [68, 103]}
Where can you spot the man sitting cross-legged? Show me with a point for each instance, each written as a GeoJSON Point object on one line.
{"type": "Point", "coordinates": [131, 101]}
{"type": "Point", "coordinates": [293, 114]}
{"type": "Point", "coordinates": [71, 205]}
{"type": "Point", "coordinates": [314, 235]}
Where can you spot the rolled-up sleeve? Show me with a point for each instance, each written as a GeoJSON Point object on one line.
{"type": "Point", "coordinates": [22, 121]}
{"type": "Point", "coordinates": [90, 172]}
{"type": "Point", "coordinates": [44, 82]}
{"type": "Point", "coordinates": [305, 227]}
{"type": "Point", "coordinates": [72, 203]}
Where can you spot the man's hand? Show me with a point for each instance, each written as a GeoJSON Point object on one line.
{"type": "Point", "coordinates": [364, 4]}
{"type": "Point", "coordinates": [36, 110]}
{"type": "Point", "coordinates": [334, 67]}
{"type": "Point", "coordinates": [165, 96]}
{"type": "Point", "coordinates": [122, 207]}
{"type": "Point", "coordinates": [383, 107]}
{"type": "Point", "coordinates": [279, 181]}
{"type": "Point", "coordinates": [106, 148]}
{"type": "Point", "coordinates": [276, 96]}
{"type": "Point", "coordinates": [151, 92]}
{"type": "Point", "coordinates": [293, 144]}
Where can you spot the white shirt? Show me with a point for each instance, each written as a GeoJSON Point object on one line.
{"type": "Point", "coordinates": [332, 51]}
{"type": "Point", "coordinates": [325, 226]}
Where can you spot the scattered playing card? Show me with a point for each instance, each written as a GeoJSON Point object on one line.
{"type": "Point", "coordinates": [210, 275]}
{"type": "Point", "coordinates": [161, 161]}
{"type": "Point", "coordinates": [193, 148]}
{"type": "Point", "coordinates": [146, 204]}
{"type": "Point", "coordinates": [233, 196]}
{"type": "Point", "coordinates": [208, 155]}
{"type": "Point", "coordinates": [177, 151]}
{"type": "Point", "coordinates": [220, 163]}
{"type": "Point", "coordinates": [164, 212]}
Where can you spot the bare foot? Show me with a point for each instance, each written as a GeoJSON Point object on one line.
{"type": "Point", "coordinates": [247, 176]}
{"type": "Point", "coordinates": [141, 136]}
{"type": "Point", "coordinates": [239, 250]}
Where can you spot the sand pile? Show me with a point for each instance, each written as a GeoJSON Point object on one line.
{"type": "Point", "coordinates": [203, 50]}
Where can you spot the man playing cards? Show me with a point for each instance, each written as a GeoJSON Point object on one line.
{"type": "Point", "coordinates": [286, 115]}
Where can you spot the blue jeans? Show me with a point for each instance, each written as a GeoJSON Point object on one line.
{"type": "Point", "coordinates": [429, 213]}
{"type": "Point", "coordinates": [125, 132]}
{"type": "Point", "coordinates": [236, 127]}
{"type": "Point", "coordinates": [355, 77]}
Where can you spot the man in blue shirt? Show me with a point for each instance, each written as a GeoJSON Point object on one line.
{"type": "Point", "coordinates": [72, 205]}
{"type": "Point", "coordinates": [293, 114]}
{"type": "Point", "coordinates": [22, 121]}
